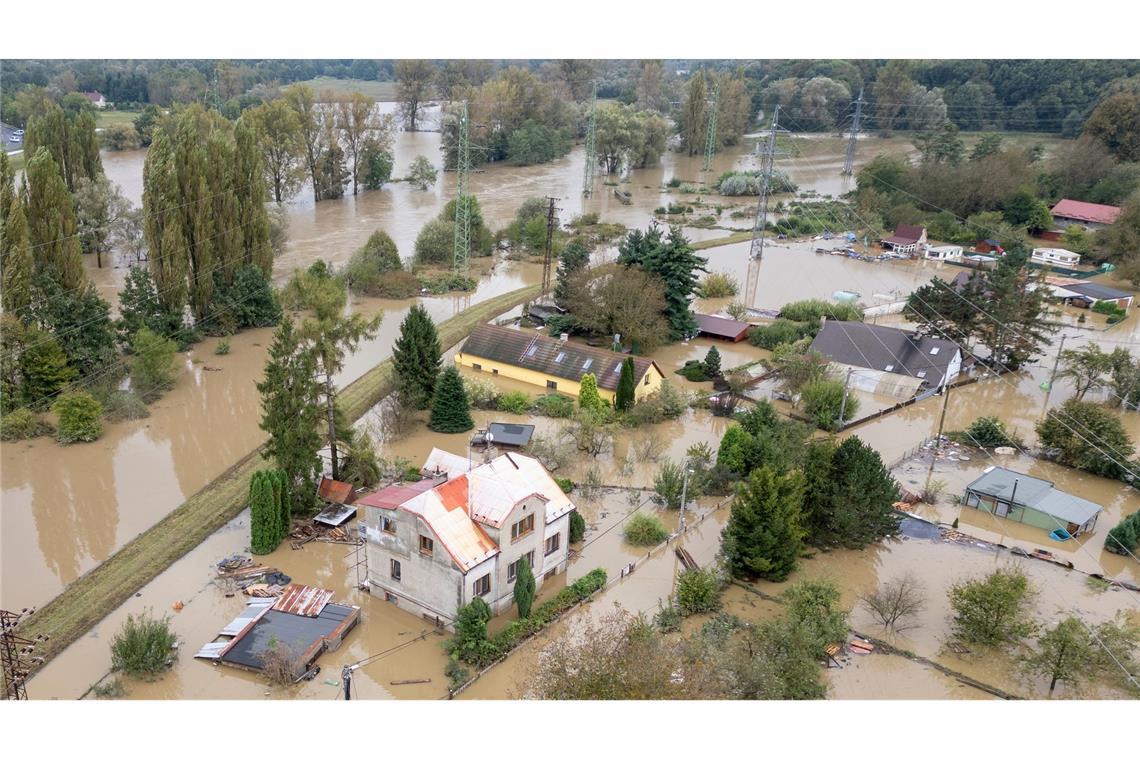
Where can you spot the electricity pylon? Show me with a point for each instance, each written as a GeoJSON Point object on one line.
{"type": "Point", "coordinates": [760, 227]}
{"type": "Point", "coordinates": [849, 161]}
{"type": "Point", "coordinates": [591, 145]}
{"type": "Point", "coordinates": [710, 137]}
{"type": "Point", "coordinates": [461, 252]}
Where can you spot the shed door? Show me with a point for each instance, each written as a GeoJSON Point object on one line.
{"type": "Point", "coordinates": [1002, 509]}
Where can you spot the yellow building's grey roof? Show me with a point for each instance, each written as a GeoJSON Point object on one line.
{"type": "Point", "coordinates": [551, 356]}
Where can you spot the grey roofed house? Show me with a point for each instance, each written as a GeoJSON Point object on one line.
{"type": "Point", "coordinates": [1031, 500]}
{"type": "Point", "coordinates": [1097, 291]}
{"type": "Point", "coordinates": [889, 349]}
{"type": "Point", "coordinates": [550, 356]}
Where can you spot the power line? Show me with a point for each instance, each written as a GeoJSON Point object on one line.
{"type": "Point", "coordinates": [461, 251]}
{"type": "Point", "coordinates": [710, 136]}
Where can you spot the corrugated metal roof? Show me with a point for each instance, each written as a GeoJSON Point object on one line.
{"type": "Point", "coordinates": [1086, 212]}
{"type": "Point", "coordinates": [465, 541]}
{"type": "Point", "coordinates": [335, 491]}
{"type": "Point", "coordinates": [550, 356]}
{"type": "Point", "coordinates": [212, 651]}
{"type": "Point", "coordinates": [393, 496]}
{"type": "Point", "coordinates": [253, 611]}
{"type": "Point", "coordinates": [303, 600]}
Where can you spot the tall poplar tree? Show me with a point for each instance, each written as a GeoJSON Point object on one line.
{"type": "Point", "coordinates": [304, 103]}
{"type": "Point", "coordinates": [15, 249]}
{"type": "Point", "coordinates": [416, 357]}
{"type": "Point", "coordinates": [250, 187]}
{"type": "Point", "coordinates": [50, 212]}
{"type": "Point", "coordinates": [693, 119]}
{"type": "Point", "coordinates": [290, 412]}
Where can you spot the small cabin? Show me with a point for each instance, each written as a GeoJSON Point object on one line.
{"type": "Point", "coordinates": [1022, 498]}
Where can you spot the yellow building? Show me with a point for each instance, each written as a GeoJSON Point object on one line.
{"type": "Point", "coordinates": [551, 364]}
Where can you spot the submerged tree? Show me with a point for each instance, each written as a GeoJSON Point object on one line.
{"type": "Point", "coordinates": [763, 537]}
{"type": "Point", "coordinates": [994, 610]}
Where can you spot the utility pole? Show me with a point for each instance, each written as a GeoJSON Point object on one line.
{"type": "Point", "coordinates": [548, 258]}
{"type": "Point", "coordinates": [710, 136]}
{"type": "Point", "coordinates": [461, 251]}
{"type": "Point", "coordinates": [16, 652]}
{"type": "Point", "coordinates": [759, 228]}
{"type": "Point", "coordinates": [1057, 361]}
{"type": "Point", "coordinates": [945, 404]}
{"type": "Point", "coordinates": [346, 676]}
{"type": "Point", "coordinates": [591, 145]}
{"type": "Point", "coordinates": [849, 161]}
{"type": "Point", "coordinates": [843, 401]}
{"type": "Point", "coordinates": [684, 496]}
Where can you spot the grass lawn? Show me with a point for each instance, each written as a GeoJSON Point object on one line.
{"type": "Point", "coordinates": [16, 161]}
{"type": "Point", "coordinates": [110, 117]}
{"type": "Point", "coordinates": [381, 91]}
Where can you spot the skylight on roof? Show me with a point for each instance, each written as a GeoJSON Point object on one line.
{"type": "Point", "coordinates": [560, 357]}
{"type": "Point", "coordinates": [889, 368]}
{"type": "Point", "coordinates": [587, 363]}
{"type": "Point", "coordinates": [530, 351]}
{"type": "Point", "coordinates": [617, 369]}
{"type": "Point", "coordinates": [934, 351]}
{"type": "Point", "coordinates": [920, 373]}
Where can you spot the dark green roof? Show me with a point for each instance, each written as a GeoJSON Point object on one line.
{"type": "Point", "coordinates": [550, 356]}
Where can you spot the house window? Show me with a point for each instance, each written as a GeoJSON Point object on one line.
{"type": "Point", "coordinates": [388, 525]}
{"type": "Point", "coordinates": [513, 568]}
{"type": "Point", "coordinates": [646, 379]}
{"type": "Point", "coordinates": [482, 585]}
{"type": "Point", "coordinates": [530, 351]}
{"type": "Point", "coordinates": [523, 527]}
{"type": "Point", "coordinates": [920, 373]}
{"type": "Point", "coordinates": [551, 384]}
{"type": "Point", "coordinates": [395, 570]}
{"type": "Point", "coordinates": [477, 367]}
{"type": "Point", "coordinates": [426, 546]}
{"type": "Point", "coordinates": [552, 544]}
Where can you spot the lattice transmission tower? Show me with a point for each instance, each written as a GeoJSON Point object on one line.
{"type": "Point", "coordinates": [461, 252]}
{"type": "Point", "coordinates": [710, 136]}
{"type": "Point", "coordinates": [760, 227]}
{"type": "Point", "coordinates": [849, 160]}
{"type": "Point", "coordinates": [17, 655]}
{"type": "Point", "coordinates": [591, 145]}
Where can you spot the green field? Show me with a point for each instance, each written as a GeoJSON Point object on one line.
{"type": "Point", "coordinates": [381, 91]}
{"type": "Point", "coordinates": [110, 117]}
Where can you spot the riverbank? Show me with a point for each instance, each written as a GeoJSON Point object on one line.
{"type": "Point", "coordinates": [94, 595]}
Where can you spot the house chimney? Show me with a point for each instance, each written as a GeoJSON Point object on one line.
{"type": "Point", "coordinates": [564, 337]}
{"type": "Point", "coordinates": [438, 477]}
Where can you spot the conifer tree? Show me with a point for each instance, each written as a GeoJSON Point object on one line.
{"type": "Point", "coordinates": [626, 389]}
{"type": "Point", "coordinates": [574, 258]}
{"type": "Point", "coordinates": [712, 362]}
{"type": "Point", "coordinates": [51, 222]}
{"type": "Point", "coordinates": [588, 396]}
{"type": "Point", "coordinates": [450, 410]}
{"type": "Point", "coordinates": [264, 525]}
{"type": "Point", "coordinates": [416, 357]}
{"type": "Point", "coordinates": [524, 588]}
{"type": "Point", "coordinates": [854, 506]}
{"type": "Point", "coordinates": [290, 412]}
{"type": "Point", "coordinates": [763, 537]}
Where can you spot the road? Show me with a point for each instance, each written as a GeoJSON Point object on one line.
{"type": "Point", "coordinates": [7, 132]}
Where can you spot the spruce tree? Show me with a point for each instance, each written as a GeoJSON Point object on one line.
{"type": "Point", "coordinates": [764, 537]}
{"type": "Point", "coordinates": [856, 506]}
{"type": "Point", "coordinates": [450, 410]}
{"type": "Point", "coordinates": [524, 588]}
{"type": "Point", "coordinates": [416, 357]}
{"type": "Point", "coordinates": [50, 213]}
{"type": "Point", "coordinates": [712, 362]}
{"type": "Point", "coordinates": [574, 258]}
{"type": "Point", "coordinates": [290, 412]}
{"type": "Point", "coordinates": [627, 387]}
{"type": "Point", "coordinates": [588, 396]}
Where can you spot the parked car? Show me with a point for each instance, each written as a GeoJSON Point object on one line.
{"type": "Point", "coordinates": [14, 138]}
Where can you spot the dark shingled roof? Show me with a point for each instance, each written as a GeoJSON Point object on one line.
{"type": "Point", "coordinates": [905, 234]}
{"type": "Point", "coordinates": [719, 327]}
{"type": "Point", "coordinates": [879, 347]}
{"type": "Point", "coordinates": [551, 356]}
{"type": "Point", "coordinates": [1097, 291]}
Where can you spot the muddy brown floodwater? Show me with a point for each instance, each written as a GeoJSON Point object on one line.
{"type": "Point", "coordinates": [65, 509]}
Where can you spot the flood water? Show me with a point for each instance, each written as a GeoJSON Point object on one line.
{"type": "Point", "coordinates": [65, 509]}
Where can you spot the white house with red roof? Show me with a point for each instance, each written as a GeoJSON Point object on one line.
{"type": "Point", "coordinates": [1091, 216]}
{"type": "Point", "coordinates": [462, 532]}
{"type": "Point", "coordinates": [96, 99]}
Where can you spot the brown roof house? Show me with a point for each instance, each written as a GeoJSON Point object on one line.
{"type": "Point", "coordinates": [907, 239]}
{"type": "Point", "coordinates": [462, 532]}
{"type": "Point", "coordinates": [556, 365]}
{"type": "Point", "coordinates": [1091, 216]}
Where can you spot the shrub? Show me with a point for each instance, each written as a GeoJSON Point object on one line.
{"type": "Point", "coordinates": [673, 182]}
{"type": "Point", "coordinates": [693, 371]}
{"type": "Point", "coordinates": [698, 591]}
{"type": "Point", "coordinates": [309, 287]}
{"type": "Point", "coordinates": [421, 173]}
{"type": "Point", "coordinates": [669, 483]}
{"type": "Point", "coordinates": [994, 610]}
{"type": "Point", "coordinates": [988, 433]}
{"type": "Point", "coordinates": [79, 417]}
{"type": "Point", "coordinates": [222, 348]}
{"type": "Point", "coordinates": [279, 664]}
{"type": "Point", "coordinates": [144, 646]}
{"type": "Point", "coordinates": [457, 675]}
{"type": "Point", "coordinates": [482, 394]}
{"type": "Point", "coordinates": [515, 402]}
{"type": "Point", "coordinates": [124, 405]}
{"type": "Point", "coordinates": [154, 368]}
{"type": "Point", "coordinates": [435, 243]}
{"type": "Point", "coordinates": [377, 257]}
{"type": "Point", "coordinates": [565, 484]}
{"type": "Point", "coordinates": [20, 424]}
{"type": "Point", "coordinates": [1125, 537]}
{"type": "Point", "coordinates": [577, 523]}
{"type": "Point", "coordinates": [673, 402]}
{"type": "Point", "coordinates": [398, 284]}
{"type": "Point", "coordinates": [644, 530]}
{"type": "Point", "coordinates": [248, 301]}
{"type": "Point", "coordinates": [668, 618]}
{"type": "Point", "coordinates": [822, 401]}
{"type": "Point", "coordinates": [718, 285]}
{"type": "Point", "coordinates": [811, 309]}
{"type": "Point", "coordinates": [554, 405]}
{"type": "Point", "coordinates": [781, 331]}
